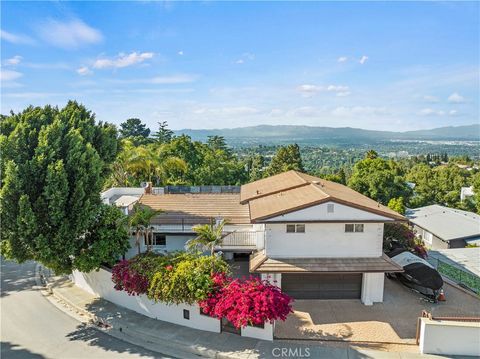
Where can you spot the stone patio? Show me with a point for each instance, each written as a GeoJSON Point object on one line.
{"type": "Point", "coordinates": [393, 321]}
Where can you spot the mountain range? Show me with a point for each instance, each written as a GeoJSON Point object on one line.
{"type": "Point", "coordinates": [312, 135]}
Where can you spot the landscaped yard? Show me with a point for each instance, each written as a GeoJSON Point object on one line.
{"type": "Point", "coordinates": [393, 321]}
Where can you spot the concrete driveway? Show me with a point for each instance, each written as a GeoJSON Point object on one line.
{"type": "Point", "coordinates": [393, 321]}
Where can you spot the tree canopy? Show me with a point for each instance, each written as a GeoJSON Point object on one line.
{"type": "Point", "coordinates": [378, 179]}
{"type": "Point", "coordinates": [135, 130]}
{"type": "Point", "coordinates": [286, 158]}
{"type": "Point", "coordinates": [53, 168]}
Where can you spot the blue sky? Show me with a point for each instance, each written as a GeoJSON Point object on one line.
{"type": "Point", "coordinates": [389, 66]}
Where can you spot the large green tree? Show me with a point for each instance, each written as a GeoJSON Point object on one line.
{"type": "Point", "coordinates": [286, 158]}
{"type": "Point", "coordinates": [164, 134]}
{"type": "Point", "coordinates": [54, 162]}
{"type": "Point", "coordinates": [135, 130]}
{"type": "Point", "coordinates": [378, 179]}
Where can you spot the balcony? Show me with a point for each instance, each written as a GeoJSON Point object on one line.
{"type": "Point", "coordinates": [243, 240]}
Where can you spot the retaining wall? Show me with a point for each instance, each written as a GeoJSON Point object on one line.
{"type": "Point", "coordinates": [99, 283]}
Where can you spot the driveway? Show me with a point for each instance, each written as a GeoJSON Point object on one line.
{"type": "Point", "coordinates": [393, 321]}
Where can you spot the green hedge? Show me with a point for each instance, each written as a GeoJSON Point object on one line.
{"type": "Point", "coordinates": [470, 280]}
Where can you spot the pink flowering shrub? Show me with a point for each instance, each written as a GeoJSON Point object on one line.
{"type": "Point", "coordinates": [246, 302]}
{"type": "Point", "coordinates": [127, 279]}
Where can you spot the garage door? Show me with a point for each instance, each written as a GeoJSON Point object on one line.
{"type": "Point", "coordinates": [322, 286]}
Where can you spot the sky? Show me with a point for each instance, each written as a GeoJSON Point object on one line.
{"type": "Point", "coordinates": [387, 66]}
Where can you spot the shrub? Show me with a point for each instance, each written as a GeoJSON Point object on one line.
{"type": "Point", "coordinates": [127, 279]}
{"type": "Point", "coordinates": [186, 279]}
{"type": "Point", "coordinates": [246, 302]}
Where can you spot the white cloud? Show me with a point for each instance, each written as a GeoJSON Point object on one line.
{"type": "Point", "coordinates": [245, 57]}
{"type": "Point", "coordinates": [363, 59]}
{"type": "Point", "coordinates": [431, 112]}
{"type": "Point", "coordinates": [69, 35]}
{"type": "Point", "coordinates": [342, 59]}
{"type": "Point", "coordinates": [122, 60]}
{"type": "Point", "coordinates": [13, 61]}
{"type": "Point", "coordinates": [308, 90]}
{"type": "Point", "coordinates": [84, 70]}
{"type": "Point", "coordinates": [430, 99]}
{"type": "Point", "coordinates": [343, 111]}
{"type": "Point", "coordinates": [456, 98]}
{"type": "Point", "coordinates": [16, 38]}
{"type": "Point", "coordinates": [9, 75]}
{"type": "Point", "coordinates": [180, 52]}
{"type": "Point", "coordinates": [453, 112]}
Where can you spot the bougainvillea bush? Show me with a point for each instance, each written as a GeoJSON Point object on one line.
{"type": "Point", "coordinates": [175, 278]}
{"type": "Point", "coordinates": [246, 302]}
{"type": "Point", "coordinates": [127, 279]}
{"type": "Point", "coordinates": [191, 278]}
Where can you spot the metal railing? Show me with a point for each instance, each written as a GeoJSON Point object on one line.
{"type": "Point", "coordinates": [463, 278]}
{"type": "Point", "coordinates": [244, 239]}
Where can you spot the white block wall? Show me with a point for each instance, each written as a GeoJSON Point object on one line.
{"type": "Point", "coordinates": [449, 338]}
{"type": "Point", "coordinates": [100, 284]}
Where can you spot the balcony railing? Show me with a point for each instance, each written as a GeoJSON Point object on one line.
{"type": "Point", "coordinates": [250, 239]}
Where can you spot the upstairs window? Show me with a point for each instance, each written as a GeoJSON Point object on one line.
{"type": "Point", "coordinates": [353, 228]}
{"type": "Point", "coordinates": [295, 228]}
{"type": "Point", "coordinates": [330, 208]}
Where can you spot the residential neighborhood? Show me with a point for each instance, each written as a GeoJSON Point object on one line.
{"type": "Point", "coordinates": [240, 180]}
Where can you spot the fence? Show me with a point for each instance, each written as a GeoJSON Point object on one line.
{"type": "Point", "coordinates": [448, 335]}
{"type": "Point", "coordinates": [467, 280]}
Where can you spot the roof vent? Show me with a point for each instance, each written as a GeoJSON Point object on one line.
{"type": "Point", "coordinates": [258, 192]}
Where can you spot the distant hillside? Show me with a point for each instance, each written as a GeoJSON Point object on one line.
{"type": "Point", "coordinates": [329, 135]}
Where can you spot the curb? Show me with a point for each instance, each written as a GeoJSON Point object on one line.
{"type": "Point", "coordinates": [126, 334]}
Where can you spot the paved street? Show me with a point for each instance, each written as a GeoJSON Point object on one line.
{"type": "Point", "coordinates": [31, 327]}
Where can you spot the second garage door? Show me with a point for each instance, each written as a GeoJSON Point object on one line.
{"type": "Point", "coordinates": [322, 286]}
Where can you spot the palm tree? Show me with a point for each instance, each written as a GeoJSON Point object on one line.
{"type": "Point", "coordinates": [140, 224]}
{"type": "Point", "coordinates": [208, 237]}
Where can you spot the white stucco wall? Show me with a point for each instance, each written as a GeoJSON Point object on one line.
{"type": "Point", "coordinates": [320, 213]}
{"type": "Point", "coordinates": [449, 337]}
{"type": "Point", "coordinates": [324, 240]}
{"type": "Point", "coordinates": [265, 333]}
{"type": "Point", "coordinates": [100, 284]}
{"type": "Point", "coordinates": [372, 288]}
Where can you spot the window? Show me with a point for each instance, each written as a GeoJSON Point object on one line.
{"type": "Point", "coordinates": [290, 228]}
{"type": "Point", "coordinates": [158, 240]}
{"type": "Point", "coordinates": [351, 228]}
{"type": "Point", "coordinates": [330, 208]}
{"type": "Point", "coordinates": [186, 314]}
{"type": "Point", "coordinates": [295, 228]}
{"type": "Point", "coordinates": [359, 228]}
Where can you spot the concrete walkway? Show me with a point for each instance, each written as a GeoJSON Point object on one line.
{"type": "Point", "coordinates": [184, 342]}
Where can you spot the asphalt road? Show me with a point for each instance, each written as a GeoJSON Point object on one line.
{"type": "Point", "coordinates": [32, 327]}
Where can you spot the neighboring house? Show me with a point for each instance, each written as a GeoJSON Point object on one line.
{"type": "Point", "coordinates": [441, 227]}
{"type": "Point", "coordinates": [315, 238]}
{"type": "Point", "coordinates": [466, 192]}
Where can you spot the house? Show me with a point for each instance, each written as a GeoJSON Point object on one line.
{"type": "Point", "coordinates": [314, 238]}
{"type": "Point", "coordinates": [441, 227]}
